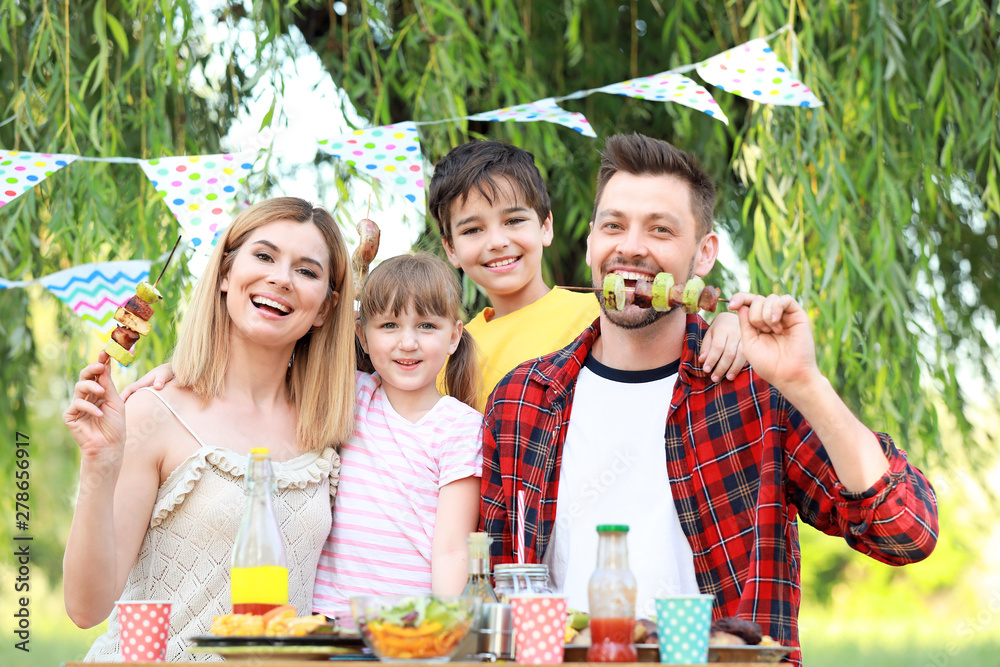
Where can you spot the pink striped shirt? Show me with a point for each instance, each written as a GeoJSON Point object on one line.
{"type": "Point", "coordinates": [383, 513]}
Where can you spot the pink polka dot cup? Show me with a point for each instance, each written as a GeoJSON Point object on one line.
{"type": "Point", "coordinates": [539, 628]}
{"type": "Point", "coordinates": [145, 626]}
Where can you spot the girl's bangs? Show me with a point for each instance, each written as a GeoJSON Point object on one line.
{"type": "Point", "coordinates": [417, 286]}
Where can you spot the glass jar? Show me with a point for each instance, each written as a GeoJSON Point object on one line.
{"type": "Point", "coordinates": [516, 578]}
{"type": "Point", "coordinates": [611, 594]}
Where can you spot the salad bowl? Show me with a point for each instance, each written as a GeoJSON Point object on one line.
{"type": "Point", "coordinates": [411, 628]}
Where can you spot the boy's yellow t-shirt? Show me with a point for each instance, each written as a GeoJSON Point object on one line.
{"type": "Point", "coordinates": [551, 323]}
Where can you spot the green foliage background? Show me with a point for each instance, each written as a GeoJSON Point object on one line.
{"type": "Point", "coordinates": [880, 211]}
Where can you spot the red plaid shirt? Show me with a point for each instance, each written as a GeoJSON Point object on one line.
{"type": "Point", "coordinates": [742, 464]}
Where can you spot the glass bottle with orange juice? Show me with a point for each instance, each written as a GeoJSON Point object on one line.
{"type": "Point", "coordinates": [259, 572]}
{"type": "Point", "coordinates": [611, 595]}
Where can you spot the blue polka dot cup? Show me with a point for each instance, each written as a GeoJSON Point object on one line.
{"type": "Point", "coordinates": [683, 623]}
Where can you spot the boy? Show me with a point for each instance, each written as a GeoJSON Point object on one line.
{"type": "Point", "coordinates": [492, 209]}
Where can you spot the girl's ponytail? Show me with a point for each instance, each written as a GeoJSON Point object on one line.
{"type": "Point", "coordinates": [461, 376]}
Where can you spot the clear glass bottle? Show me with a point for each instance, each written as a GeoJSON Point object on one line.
{"type": "Point", "coordinates": [611, 594]}
{"type": "Point", "coordinates": [512, 579]}
{"type": "Point", "coordinates": [478, 584]}
{"type": "Point", "coordinates": [259, 571]}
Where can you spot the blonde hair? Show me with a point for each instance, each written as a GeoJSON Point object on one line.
{"type": "Point", "coordinates": [321, 391]}
{"type": "Point", "coordinates": [428, 285]}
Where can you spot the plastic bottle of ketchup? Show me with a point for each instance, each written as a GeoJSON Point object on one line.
{"type": "Point", "coordinates": [611, 595]}
{"type": "Point", "coordinates": [259, 572]}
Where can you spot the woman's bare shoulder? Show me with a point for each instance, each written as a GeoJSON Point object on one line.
{"type": "Point", "coordinates": [149, 417]}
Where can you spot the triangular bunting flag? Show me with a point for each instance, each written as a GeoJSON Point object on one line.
{"type": "Point", "coordinates": [94, 291]}
{"type": "Point", "coordinates": [751, 70]}
{"type": "Point", "coordinates": [542, 110]}
{"type": "Point", "coordinates": [199, 189]}
{"type": "Point", "coordinates": [669, 87]}
{"type": "Point", "coordinates": [389, 153]}
{"type": "Point", "coordinates": [21, 171]}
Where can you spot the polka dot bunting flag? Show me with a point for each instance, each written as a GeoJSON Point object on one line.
{"type": "Point", "coordinates": [199, 189]}
{"type": "Point", "coordinates": [389, 153]}
{"type": "Point", "coordinates": [21, 171]}
{"type": "Point", "coordinates": [751, 70]}
{"type": "Point", "coordinates": [542, 110]}
{"type": "Point", "coordinates": [669, 87]}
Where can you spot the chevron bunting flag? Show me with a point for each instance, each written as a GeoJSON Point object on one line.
{"type": "Point", "coordinates": [199, 190]}
{"type": "Point", "coordinates": [751, 70]}
{"type": "Point", "coordinates": [390, 154]}
{"type": "Point", "coordinates": [541, 110]}
{"type": "Point", "coordinates": [669, 87]}
{"type": "Point", "coordinates": [21, 171]}
{"type": "Point", "coordinates": [94, 291]}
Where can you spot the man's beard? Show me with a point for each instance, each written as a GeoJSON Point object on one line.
{"type": "Point", "coordinates": [636, 318]}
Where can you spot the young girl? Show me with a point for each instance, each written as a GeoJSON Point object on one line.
{"type": "Point", "coordinates": [264, 358]}
{"type": "Point", "coordinates": [409, 487]}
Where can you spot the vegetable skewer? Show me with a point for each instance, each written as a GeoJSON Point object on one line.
{"type": "Point", "coordinates": [662, 294]}
{"type": "Point", "coordinates": [134, 318]}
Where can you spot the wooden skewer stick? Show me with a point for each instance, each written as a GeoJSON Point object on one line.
{"type": "Point", "coordinates": [574, 288]}
{"type": "Point", "coordinates": [369, 207]}
{"type": "Point", "coordinates": [169, 257]}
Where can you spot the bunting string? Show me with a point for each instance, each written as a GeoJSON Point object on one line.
{"type": "Point", "coordinates": [199, 190]}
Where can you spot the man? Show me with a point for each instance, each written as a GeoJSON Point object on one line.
{"type": "Point", "coordinates": [624, 426]}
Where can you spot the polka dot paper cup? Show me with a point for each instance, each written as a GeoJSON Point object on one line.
{"type": "Point", "coordinates": [539, 628]}
{"type": "Point", "coordinates": [683, 624]}
{"type": "Point", "coordinates": [145, 625]}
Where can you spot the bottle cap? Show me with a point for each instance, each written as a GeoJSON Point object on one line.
{"type": "Point", "coordinates": [479, 545]}
{"type": "Point", "coordinates": [260, 450]}
{"type": "Point", "coordinates": [612, 528]}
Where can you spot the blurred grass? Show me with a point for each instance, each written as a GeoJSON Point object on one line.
{"type": "Point", "coordinates": [54, 638]}
{"type": "Point", "coordinates": [941, 612]}
{"type": "Point", "coordinates": [918, 641]}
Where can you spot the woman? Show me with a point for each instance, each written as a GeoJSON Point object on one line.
{"type": "Point", "coordinates": [161, 489]}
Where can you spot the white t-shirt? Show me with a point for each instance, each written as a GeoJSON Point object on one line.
{"type": "Point", "coordinates": [614, 471]}
{"type": "Point", "coordinates": [384, 510]}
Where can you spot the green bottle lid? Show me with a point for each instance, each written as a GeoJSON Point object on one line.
{"type": "Point", "coordinates": [612, 528]}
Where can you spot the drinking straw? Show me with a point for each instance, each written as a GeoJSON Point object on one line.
{"type": "Point", "coordinates": [520, 527]}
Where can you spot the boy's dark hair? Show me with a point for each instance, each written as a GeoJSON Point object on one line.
{"type": "Point", "coordinates": [479, 164]}
{"type": "Point", "coordinates": [640, 155]}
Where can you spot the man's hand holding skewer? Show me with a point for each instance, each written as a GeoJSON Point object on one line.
{"type": "Point", "coordinates": [777, 340]}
